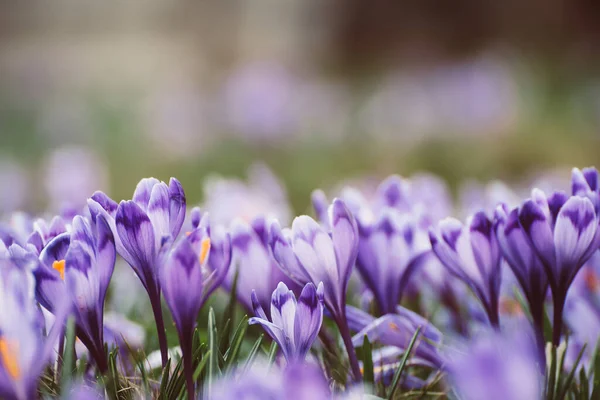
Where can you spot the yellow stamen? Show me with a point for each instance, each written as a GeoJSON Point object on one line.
{"type": "Point", "coordinates": [591, 280]}
{"type": "Point", "coordinates": [394, 327]}
{"type": "Point", "coordinates": [188, 233]}
{"type": "Point", "coordinates": [60, 267]}
{"type": "Point", "coordinates": [205, 247]}
{"type": "Point", "coordinates": [9, 358]}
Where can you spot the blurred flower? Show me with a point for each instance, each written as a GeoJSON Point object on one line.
{"type": "Point", "coordinates": [256, 268]}
{"type": "Point", "coordinates": [24, 350]}
{"type": "Point", "coordinates": [13, 177]}
{"type": "Point", "coordinates": [295, 382]}
{"type": "Point", "coordinates": [389, 252]}
{"type": "Point", "coordinates": [471, 253]}
{"type": "Point", "coordinates": [294, 326]}
{"type": "Point", "coordinates": [259, 102]}
{"type": "Point", "coordinates": [397, 330]}
{"type": "Point", "coordinates": [496, 367]}
{"type": "Point", "coordinates": [71, 174]}
{"type": "Point", "coordinates": [564, 232]}
{"type": "Point", "coordinates": [144, 229]}
{"type": "Point", "coordinates": [263, 195]}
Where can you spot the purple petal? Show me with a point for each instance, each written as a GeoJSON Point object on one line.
{"type": "Point", "coordinates": [320, 205]}
{"type": "Point", "coordinates": [105, 202]}
{"type": "Point", "coordinates": [182, 284]}
{"type": "Point", "coordinates": [536, 226]}
{"type": "Point", "coordinates": [56, 250]}
{"type": "Point", "coordinates": [158, 213]}
{"type": "Point", "coordinates": [284, 254]}
{"type": "Point", "coordinates": [575, 231]}
{"type": "Point", "coordinates": [283, 309]}
{"type": "Point", "coordinates": [177, 207]}
{"type": "Point", "coordinates": [308, 318]}
{"type": "Point", "coordinates": [143, 191]}
{"type": "Point", "coordinates": [105, 253]}
{"type": "Point", "coordinates": [344, 234]}
{"type": "Point", "coordinates": [137, 236]}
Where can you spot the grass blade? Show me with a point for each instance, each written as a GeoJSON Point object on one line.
{"type": "Point", "coordinates": [253, 352]}
{"type": "Point", "coordinates": [405, 358]}
{"type": "Point", "coordinates": [272, 354]}
{"type": "Point", "coordinates": [236, 344]}
{"type": "Point", "coordinates": [367, 359]}
{"type": "Point", "coordinates": [213, 348]}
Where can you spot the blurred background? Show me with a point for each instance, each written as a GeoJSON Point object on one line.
{"type": "Point", "coordinates": [96, 95]}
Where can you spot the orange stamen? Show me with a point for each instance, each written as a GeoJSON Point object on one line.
{"type": "Point", "coordinates": [60, 267]}
{"type": "Point", "coordinates": [204, 249]}
{"type": "Point", "coordinates": [9, 358]}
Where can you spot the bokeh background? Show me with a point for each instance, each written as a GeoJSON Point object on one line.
{"type": "Point", "coordinates": [96, 95]}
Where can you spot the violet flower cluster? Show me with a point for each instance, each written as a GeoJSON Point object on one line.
{"type": "Point", "coordinates": [380, 293]}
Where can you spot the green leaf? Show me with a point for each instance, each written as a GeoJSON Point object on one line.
{"type": "Point", "coordinates": [367, 359]}
{"type": "Point", "coordinates": [201, 365]}
{"type": "Point", "coordinates": [272, 353]}
{"type": "Point", "coordinates": [584, 384]}
{"type": "Point", "coordinates": [253, 352]}
{"type": "Point", "coordinates": [69, 355]}
{"type": "Point", "coordinates": [229, 314]}
{"type": "Point", "coordinates": [213, 347]}
{"type": "Point", "coordinates": [236, 343]}
{"type": "Point", "coordinates": [403, 362]}
{"type": "Point", "coordinates": [569, 380]}
{"type": "Point", "coordinates": [164, 381]}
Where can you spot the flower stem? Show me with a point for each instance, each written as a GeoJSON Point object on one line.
{"type": "Point", "coordinates": [342, 324]}
{"type": "Point", "coordinates": [559, 304]}
{"type": "Point", "coordinates": [160, 327]}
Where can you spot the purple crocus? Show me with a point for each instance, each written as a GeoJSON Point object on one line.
{"type": "Point", "coordinates": [257, 270]}
{"type": "Point", "coordinates": [496, 367]}
{"type": "Point", "coordinates": [472, 254]}
{"type": "Point", "coordinates": [24, 350]}
{"type": "Point", "coordinates": [311, 254]}
{"type": "Point", "coordinates": [396, 330]}
{"type": "Point", "coordinates": [293, 325]}
{"type": "Point", "coordinates": [389, 252]}
{"type": "Point", "coordinates": [525, 265]}
{"type": "Point", "coordinates": [563, 231]}
{"type": "Point", "coordinates": [89, 264]}
{"type": "Point", "coordinates": [187, 280]}
{"type": "Point", "coordinates": [144, 229]}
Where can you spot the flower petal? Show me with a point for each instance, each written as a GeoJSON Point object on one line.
{"type": "Point", "coordinates": [177, 207]}
{"type": "Point", "coordinates": [137, 236]}
{"type": "Point", "coordinates": [308, 318]}
{"type": "Point", "coordinates": [143, 191]}
{"type": "Point", "coordinates": [575, 230]}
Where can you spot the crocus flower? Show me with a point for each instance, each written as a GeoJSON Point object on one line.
{"type": "Point", "coordinates": [256, 268]}
{"type": "Point", "coordinates": [563, 230]}
{"type": "Point", "coordinates": [525, 265]}
{"type": "Point", "coordinates": [586, 183]}
{"type": "Point", "coordinates": [89, 264]}
{"type": "Point", "coordinates": [185, 279]}
{"type": "Point", "coordinates": [397, 330]}
{"type": "Point", "coordinates": [472, 254]}
{"type": "Point", "coordinates": [24, 350]}
{"type": "Point", "coordinates": [311, 254]}
{"type": "Point", "coordinates": [390, 250]}
{"type": "Point", "coordinates": [144, 229]}
{"type": "Point", "coordinates": [496, 367]}
{"type": "Point", "coordinates": [293, 325]}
